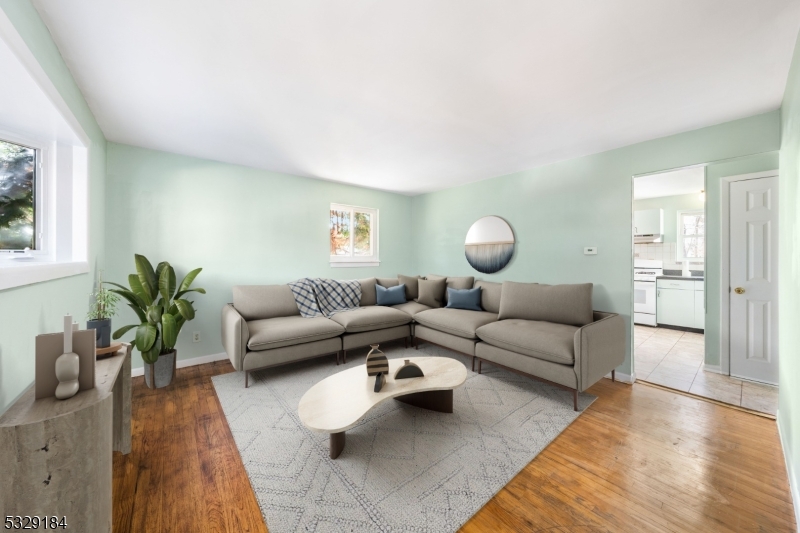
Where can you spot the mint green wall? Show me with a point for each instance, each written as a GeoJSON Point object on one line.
{"type": "Point", "coordinates": [242, 225]}
{"type": "Point", "coordinates": [789, 305]}
{"type": "Point", "coordinates": [28, 311]}
{"type": "Point", "coordinates": [671, 205]}
{"type": "Point", "coordinates": [557, 210]}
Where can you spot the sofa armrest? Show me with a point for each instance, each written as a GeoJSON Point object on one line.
{"type": "Point", "coordinates": [599, 348]}
{"type": "Point", "coordinates": [235, 335]}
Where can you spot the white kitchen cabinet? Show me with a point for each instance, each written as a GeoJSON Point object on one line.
{"type": "Point", "coordinates": [675, 307]}
{"type": "Point", "coordinates": [699, 307]}
{"type": "Point", "coordinates": [680, 302]}
{"type": "Point", "coordinates": [648, 222]}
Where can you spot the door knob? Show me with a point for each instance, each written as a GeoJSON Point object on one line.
{"type": "Point", "coordinates": [739, 290]}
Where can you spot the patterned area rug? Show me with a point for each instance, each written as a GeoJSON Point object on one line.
{"type": "Point", "coordinates": [403, 468]}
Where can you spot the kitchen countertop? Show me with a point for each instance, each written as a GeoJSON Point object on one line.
{"type": "Point", "coordinates": [696, 278]}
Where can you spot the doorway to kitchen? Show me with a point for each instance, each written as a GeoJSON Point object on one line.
{"type": "Point", "coordinates": [669, 293]}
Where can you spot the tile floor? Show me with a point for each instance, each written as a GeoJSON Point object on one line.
{"type": "Point", "coordinates": [674, 359]}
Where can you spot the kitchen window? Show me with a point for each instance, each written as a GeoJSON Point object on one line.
{"type": "Point", "coordinates": [691, 235]}
{"type": "Point", "coordinates": [353, 236]}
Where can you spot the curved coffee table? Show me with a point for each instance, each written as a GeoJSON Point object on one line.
{"type": "Point", "coordinates": [338, 402]}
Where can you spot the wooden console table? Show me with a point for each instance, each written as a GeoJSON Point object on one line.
{"type": "Point", "coordinates": [56, 454]}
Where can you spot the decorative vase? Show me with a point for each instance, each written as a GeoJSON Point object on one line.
{"type": "Point", "coordinates": [376, 361]}
{"type": "Point", "coordinates": [160, 373]}
{"type": "Point", "coordinates": [68, 365]}
{"type": "Point", "coordinates": [103, 328]}
{"type": "Point", "coordinates": [409, 370]}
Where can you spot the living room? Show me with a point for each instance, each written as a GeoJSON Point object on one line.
{"type": "Point", "coordinates": [247, 139]}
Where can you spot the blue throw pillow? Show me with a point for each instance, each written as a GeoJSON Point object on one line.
{"type": "Point", "coordinates": [391, 295]}
{"type": "Point", "coordinates": [464, 299]}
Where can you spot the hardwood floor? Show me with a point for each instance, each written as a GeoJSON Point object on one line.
{"type": "Point", "coordinates": [639, 459]}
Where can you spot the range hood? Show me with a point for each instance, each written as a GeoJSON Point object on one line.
{"type": "Point", "coordinates": [648, 237]}
{"type": "Point", "coordinates": [648, 226]}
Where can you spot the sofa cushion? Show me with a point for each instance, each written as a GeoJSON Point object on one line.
{"type": "Point", "coordinates": [255, 302]}
{"type": "Point", "coordinates": [371, 318]}
{"type": "Point", "coordinates": [490, 295]}
{"type": "Point", "coordinates": [412, 308]}
{"type": "Point", "coordinates": [388, 282]}
{"type": "Point", "coordinates": [562, 304]}
{"type": "Point", "coordinates": [459, 322]}
{"type": "Point", "coordinates": [412, 285]}
{"type": "Point", "coordinates": [543, 340]}
{"type": "Point", "coordinates": [431, 292]}
{"type": "Point", "coordinates": [391, 295]}
{"type": "Point", "coordinates": [463, 282]}
{"type": "Point", "coordinates": [368, 296]}
{"type": "Point", "coordinates": [469, 299]}
{"type": "Point", "coordinates": [278, 332]}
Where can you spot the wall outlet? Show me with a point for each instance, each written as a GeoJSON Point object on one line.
{"type": "Point", "coordinates": [196, 336]}
{"type": "Point", "coordinates": [590, 250]}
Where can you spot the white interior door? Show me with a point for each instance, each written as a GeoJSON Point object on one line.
{"type": "Point", "coordinates": [754, 279]}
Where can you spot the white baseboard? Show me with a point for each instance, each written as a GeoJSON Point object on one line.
{"type": "Point", "coordinates": [183, 363]}
{"type": "Point", "coordinates": [624, 378]}
{"type": "Point", "coordinates": [794, 488]}
{"type": "Point", "coordinates": [712, 368]}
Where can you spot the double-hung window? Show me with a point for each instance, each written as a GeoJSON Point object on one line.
{"type": "Point", "coordinates": [353, 236]}
{"type": "Point", "coordinates": [691, 235]}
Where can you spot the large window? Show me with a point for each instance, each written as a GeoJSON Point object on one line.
{"type": "Point", "coordinates": [353, 235]}
{"type": "Point", "coordinates": [18, 166]}
{"type": "Point", "coordinates": [691, 235]}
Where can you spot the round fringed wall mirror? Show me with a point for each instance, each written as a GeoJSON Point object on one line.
{"type": "Point", "coordinates": [489, 245]}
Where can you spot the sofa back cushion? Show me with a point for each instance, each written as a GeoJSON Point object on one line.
{"type": "Point", "coordinates": [561, 304]}
{"type": "Point", "coordinates": [256, 302]}
{"type": "Point", "coordinates": [388, 282]}
{"type": "Point", "coordinates": [459, 282]}
{"type": "Point", "coordinates": [412, 285]}
{"type": "Point", "coordinates": [431, 292]}
{"type": "Point", "coordinates": [368, 296]}
{"type": "Point", "coordinates": [391, 295]}
{"type": "Point", "coordinates": [490, 295]}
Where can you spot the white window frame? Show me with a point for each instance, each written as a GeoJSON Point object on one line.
{"type": "Point", "coordinates": [357, 260]}
{"type": "Point", "coordinates": [41, 201]}
{"type": "Point", "coordinates": [64, 187]}
{"type": "Point", "coordinates": [681, 236]}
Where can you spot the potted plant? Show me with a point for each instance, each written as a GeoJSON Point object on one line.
{"type": "Point", "coordinates": [103, 307]}
{"type": "Point", "coordinates": [158, 301]}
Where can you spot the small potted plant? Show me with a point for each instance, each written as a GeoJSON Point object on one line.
{"type": "Point", "coordinates": [159, 302]}
{"type": "Point", "coordinates": [103, 307]}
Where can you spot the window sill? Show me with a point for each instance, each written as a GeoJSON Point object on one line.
{"type": "Point", "coordinates": [19, 273]}
{"type": "Point", "coordinates": [351, 264]}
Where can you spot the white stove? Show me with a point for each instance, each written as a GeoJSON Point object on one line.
{"type": "Point", "coordinates": [645, 272]}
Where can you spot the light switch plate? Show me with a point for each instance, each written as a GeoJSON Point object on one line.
{"type": "Point", "coordinates": [590, 250]}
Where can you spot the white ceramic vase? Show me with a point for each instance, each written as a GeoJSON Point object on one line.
{"type": "Point", "coordinates": [68, 368]}
{"type": "Point", "coordinates": [68, 365]}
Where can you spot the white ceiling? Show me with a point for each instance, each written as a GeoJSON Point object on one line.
{"type": "Point", "coordinates": [418, 95]}
{"type": "Point", "coordinates": [674, 183]}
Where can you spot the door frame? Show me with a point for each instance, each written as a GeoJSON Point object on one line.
{"type": "Point", "coordinates": [725, 263]}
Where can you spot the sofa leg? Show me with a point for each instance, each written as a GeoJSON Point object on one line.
{"type": "Point", "coordinates": [613, 375]}
{"type": "Point", "coordinates": [246, 380]}
{"type": "Point", "coordinates": [575, 398]}
{"type": "Point", "coordinates": [479, 366]}
{"type": "Point", "coordinates": [415, 342]}
{"type": "Point", "coordinates": [344, 356]}
{"type": "Point", "coordinates": [473, 363]}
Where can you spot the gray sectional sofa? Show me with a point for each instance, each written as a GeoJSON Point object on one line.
{"type": "Point", "coordinates": [550, 333]}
